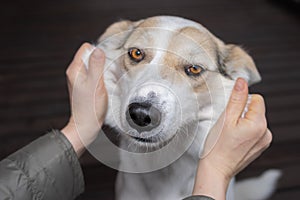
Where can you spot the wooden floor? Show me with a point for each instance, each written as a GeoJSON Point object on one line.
{"type": "Point", "coordinates": [39, 38]}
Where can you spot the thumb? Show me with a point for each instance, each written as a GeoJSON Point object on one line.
{"type": "Point", "coordinates": [237, 101]}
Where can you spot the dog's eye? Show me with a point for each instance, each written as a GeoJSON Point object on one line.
{"type": "Point", "coordinates": [193, 70]}
{"type": "Point", "coordinates": [136, 54]}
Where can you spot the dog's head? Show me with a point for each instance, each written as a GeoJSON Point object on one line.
{"type": "Point", "coordinates": [166, 73]}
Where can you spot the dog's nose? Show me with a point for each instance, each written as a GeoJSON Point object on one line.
{"type": "Point", "coordinates": [143, 116]}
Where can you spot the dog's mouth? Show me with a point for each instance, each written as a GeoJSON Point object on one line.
{"type": "Point", "coordinates": [144, 140]}
{"type": "Point", "coordinates": [151, 140]}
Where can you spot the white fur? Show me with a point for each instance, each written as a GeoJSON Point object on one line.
{"type": "Point", "coordinates": [258, 188]}
{"type": "Point", "coordinates": [179, 117]}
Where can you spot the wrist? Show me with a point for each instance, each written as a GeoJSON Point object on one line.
{"type": "Point", "coordinates": [210, 182]}
{"type": "Point", "coordinates": [80, 136]}
{"type": "Point", "coordinates": [71, 134]}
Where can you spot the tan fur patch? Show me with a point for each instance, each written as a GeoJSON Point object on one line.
{"type": "Point", "coordinates": [150, 22]}
{"type": "Point", "coordinates": [177, 57]}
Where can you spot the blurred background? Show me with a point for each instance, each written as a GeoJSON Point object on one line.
{"type": "Point", "coordinates": [39, 38]}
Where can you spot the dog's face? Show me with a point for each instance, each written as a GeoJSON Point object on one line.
{"type": "Point", "coordinates": [164, 74]}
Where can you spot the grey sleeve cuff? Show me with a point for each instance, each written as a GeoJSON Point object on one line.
{"type": "Point", "coordinates": [47, 168]}
{"type": "Point", "coordinates": [198, 197]}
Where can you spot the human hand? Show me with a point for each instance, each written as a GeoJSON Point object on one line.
{"type": "Point", "coordinates": [233, 143]}
{"type": "Point", "coordinates": [88, 98]}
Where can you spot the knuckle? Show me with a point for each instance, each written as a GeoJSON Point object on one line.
{"type": "Point", "coordinates": [70, 75]}
{"type": "Point", "coordinates": [86, 44]}
{"type": "Point", "coordinates": [259, 126]}
{"type": "Point", "coordinates": [266, 141]}
{"type": "Point", "coordinates": [259, 98]}
{"type": "Point", "coordinates": [269, 138]}
{"type": "Point", "coordinates": [266, 144]}
{"type": "Point", "coordinates": [69, 72]}
{"type": "Point", "coordinates": [235, 98]}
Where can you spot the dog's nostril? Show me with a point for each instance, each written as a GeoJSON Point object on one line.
{"type": "Point", "coordinates": [147, 120]}
{"type": "Point", "coordinates": [142, 116]}
{"type": "Point", "coordinates": [140, 113]}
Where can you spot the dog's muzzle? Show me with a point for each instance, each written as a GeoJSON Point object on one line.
{"type": "Point", "coordinates": [143, 116]}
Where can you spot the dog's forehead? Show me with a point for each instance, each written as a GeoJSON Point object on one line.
{"type": "Point", "coordinates": [168, 25]}
{"type": "Point", "coordinates": [157, 31]}
{"type": "Point", "coordinates": [180, 37]}
{"type": "Point", "coordinates": [171, 23]}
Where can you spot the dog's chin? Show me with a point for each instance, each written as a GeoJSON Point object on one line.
{"type": "Point", "coordinates": [149, 142]}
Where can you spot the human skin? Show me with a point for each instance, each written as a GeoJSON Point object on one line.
{"type": "Point", "coordinates": [233, 143]}
{"type": "Point", "coordinates": [88, 98]}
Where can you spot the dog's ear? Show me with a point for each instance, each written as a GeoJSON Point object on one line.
{"type": "Point", "coordinates": [116, 34]}
{"type": "Point", "coordinates": [235, 62]}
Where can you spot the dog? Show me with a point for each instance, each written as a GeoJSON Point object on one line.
{"type": "Point", "coordinates": [168, 80]}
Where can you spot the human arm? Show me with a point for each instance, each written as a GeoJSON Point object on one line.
{"type": "Point", "coordinates": [47, 168]}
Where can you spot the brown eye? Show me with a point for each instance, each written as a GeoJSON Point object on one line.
{"type": "Point", "coordinates": [193, 70]}
{"type": "Point", "coordinates": [136, 54]}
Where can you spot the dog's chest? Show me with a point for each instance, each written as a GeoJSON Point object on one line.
{"type": "Point", "coordinates": [172, 182]}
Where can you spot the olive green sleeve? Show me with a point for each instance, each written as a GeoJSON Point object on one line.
{"type": "Point", "coordinates": [47, 168]}
{"type": "Point", "coordinates": [198, 197]}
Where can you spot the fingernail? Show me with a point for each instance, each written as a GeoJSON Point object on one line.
{"type": "Point", "coordinates": [239, 84]}
{"type": "Point", "coordinates": [97, 54]}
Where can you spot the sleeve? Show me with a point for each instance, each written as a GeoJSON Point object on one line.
{"type": "Point", "coordinates": [198, 197]}
{"type": "Point", "coordinates": [47, 168]}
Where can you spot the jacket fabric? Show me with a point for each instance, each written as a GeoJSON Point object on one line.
{"type": "Point", "coordinates": [198, 197]}
{"type": "Point", "coordinates": [48, 169]}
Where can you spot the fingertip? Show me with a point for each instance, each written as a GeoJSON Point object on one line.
{"type": "Point", "coordinates": [85, 45]}
{"type": "Point", "coordinates": [77, 62]}
{"type": "Point", "coordinates": [240, 91]}
{"type": "Point", "coordinates": [77, 59]}
{"type": "Point", "coordinates": [237, 100]}
{"type": "Point", "coordinates": [240, 85]}
{"type": "Point", "coordinates": [83, 48]}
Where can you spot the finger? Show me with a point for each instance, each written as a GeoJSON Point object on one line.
{"type": "Point", "coordinates": [77, 64]}
{"type": "Point", "coordinates": [96, 63]}
{"type": "Point", "coordinates": [237, 100]}
{"type": "Point", "coordinates": [256, 108]}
